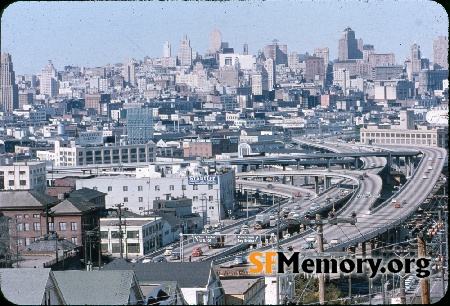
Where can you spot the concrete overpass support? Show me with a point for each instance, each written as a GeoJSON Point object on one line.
{"type": "Point", "coordinates": [326, 182]}
{"type": "Point", "coordinates": [397, 161]}
{"type": "Point", "coordinates": [316, 184]}
{"type": "Point", "coordinates": [328, 164]}
{"type": "Point", "coordinates": [356, 163]}
{"type": "Point", "coordinates": [306, 180]}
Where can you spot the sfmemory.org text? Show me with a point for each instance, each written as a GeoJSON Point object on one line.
{"type": "Point", "coordinates": [263, 262]}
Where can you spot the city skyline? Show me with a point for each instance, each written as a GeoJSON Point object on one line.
{"type": "Point", "coordinates": [74, 33]}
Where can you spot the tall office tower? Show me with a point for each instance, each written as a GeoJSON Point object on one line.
{"type": "Point", "coordinates": [324, 53]}
{"type": "Point", "coordinates": [245, 49]}
{"type": "Point", "coordinates": [215, 41]}
{"type": "Point", "coordinates": [349, 46]}
{"type": "Point", "coordinates": [185, 52]}
{"type": "Point", "coordinates": [139, 125]}
{"type": "Point", "coordinates": [166, 49]}
{"type": "Point", "coordinates": [415, 58]}
{"type": "Point", "coordinates": [440, 53]}
{"type": "Point", "coordinates": [294, 60]}
{"type": "Point", "coordinates": [270, 68]}
{"type": "Point", "coordinates": [282, 55]}
{"type": "Point", "coordinates": [49, 82]}
{"type": "Point", "coordinates": [129, 73]}
{"type": "Point", "coordinates": [9, 90]}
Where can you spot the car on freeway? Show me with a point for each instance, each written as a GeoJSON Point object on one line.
{"type": "Point", "coordinates": [307, 245]}
{"type": "Point", "coordinates": [296, 215]}
{"type": "Point", "coordinates": [197, 251]}
{"type": "Point", "coordinates": [291, 200]}
{"type": "Point", "coordinates": [237, 230]}
{"type": "Point", "coordinates": [315, 206]}
{"type": "Point", "coordinates": [244, 231]}
{"type": "Point", "coordinates": [311, 239]}
{"type": "Point", "coordinates": [404, 202]}
{"type": "Point", "coordinates": [424, 177]}
{"type": "Point", "coordinates": [368, 212]}
{"type": "Point", "coordinates": [174, 256]}
{"type": "Point", "coordinates": [240, 260]}
{"type": "Point", "coordinates": [272, 217]}
{"type": "Point", "coordinates": [439, 157]}
{"type": "Point", "coordinates": [168, 251]}
{"type": "Point", "coordinates": [335, 241]}
{"type": "Point", "coordinates": [297, 207]}
{"type": "Point", "coordinates": [270, 186]}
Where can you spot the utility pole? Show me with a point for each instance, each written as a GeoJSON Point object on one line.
{"type": "Point", "coordinates": [332, 220]}
{"type": "Point", "coordinates": [424, 285]}
{"type": "Point", "coordinates": [120, 230]}
{"type": "Point", "coordinates": [320, 250]}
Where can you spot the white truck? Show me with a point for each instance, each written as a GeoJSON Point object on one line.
{"type": "Point", "coordinates": [262, 221]}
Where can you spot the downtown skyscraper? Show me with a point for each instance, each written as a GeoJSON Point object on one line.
{"type": "Point", "coordinates": [349, 46]}
{"type": "Point", "coordinates": [48, 81]}
{"type": "Point", "coordinates": [185, 52]}
{"type": "Point", "coordinates": [440, 53]}
{"type": "Point", "coordinates": [9, 90]}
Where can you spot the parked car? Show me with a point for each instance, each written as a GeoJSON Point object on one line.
{"type": "Point", "coordinates": [296, 207]}
{"type": "Point", "coordinates": [315, 206]}
{"type": "Point", "coordinates": [146, 260]}
{"type": "Point", "coordinates": [174, 256]}
{"type": "Point", "coordinates": [168, 251]}
{"type": "Point", "coordinates": [159, 259]}
{"type": "Point", "coordinates": [240, 260]}
{"type": "Point", "coordinates": [197, 251]}
{"type": "Point", "coordinates": [136, 260]}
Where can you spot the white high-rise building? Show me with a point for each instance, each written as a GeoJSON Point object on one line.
{"type": "Point", "coordinates": [9, 93]}
{"type": "Point", "coordinates": [440, 52]}
{"type": "Point", "coordinates": [166, 49]}
{"type": "Point", "coordinates": [271, 73]}
{"type": "Point", "coordinates": [215, 41]}
{"type": "Point", "coordinates": [324, 53]}
{"type": "Point", "coordinates": [49, 82]}
{"type": "Point", "coordinates": [185, 52]}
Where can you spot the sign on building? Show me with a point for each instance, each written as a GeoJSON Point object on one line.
{"type": "Point", "coordinates": [251, 239]}
{"type": "Point", "coordinates": [90, 138]}
{"type": "Point", "coordinates": [203, 180]}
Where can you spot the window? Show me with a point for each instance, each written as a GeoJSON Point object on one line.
{"type": "Point", "coordinates": [19, 241]}
{"type": "Point", "coordinates": [62, 226]}
{"type": "Point", "coordinates": [115, 234]}
{"type": "Point", "coordinates": [27, 241]}
{"type": "Point", "coordinates": [36, 226]}
{"type": "Point", "coordinates": [109, 188]}
{"type": "Point", "coordinates": [211, 198]}
{"type": "Point", "coordinates": [140, 188]}
{"type": "Point", "coordinates": [19, 227]}
{"type": "Point", "coordinates": [75, 240]}
{"type": "Point", "coordinates": [73, 226]}
{"type": "Point", "coordinates": [125, 188]}
{"type": "Point", "coordinates": [11, 172]}
{"type": "Point", "coordinates": [132, 234]}
{"type": "Point", "coordinates": [26, 216]}
{"type": "Point", "coordinates": [26, 227]}
{"type": "Point", "coordinates": [51, 226]}
{"type": "Point", "coordinates": [157, 188]}
{"type": "Point", "coordinates": [183, 187]}
{"type": "Point", "coordinates": [125, 199]}
{"type": "Point", "coordinates": [171, 187]}
{"type": "Point", "coordinates": [21, 172]}
{"type": "Point", "coordinates": [195, 198]}
{"type": "Point", "coordinates": [194, 187]}
{"type": "Point", "coordinates": [141, 199]}
{"type": "Point", "coordinates": [210, 187]}
{"type": "Point", "coordinates": [11, 182]}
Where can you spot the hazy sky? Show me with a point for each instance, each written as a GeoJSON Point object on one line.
{"type": "Point", "coordinates": [95, 33]}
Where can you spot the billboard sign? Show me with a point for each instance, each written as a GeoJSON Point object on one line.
{"type": "Point", "coordinates": [90, 138]}
{"type": "Point", "coordinates": [251, 239]}
{"type": "Point", "coordinates": [203, 180]}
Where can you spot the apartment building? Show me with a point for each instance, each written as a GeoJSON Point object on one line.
{"type": "Point", "coordinates": [23, 176]}
{"type": "Point", "coordinates": [73, 154]}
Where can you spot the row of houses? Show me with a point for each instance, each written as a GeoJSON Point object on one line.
{"type": "Point", "coordinates": [124, 283]}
